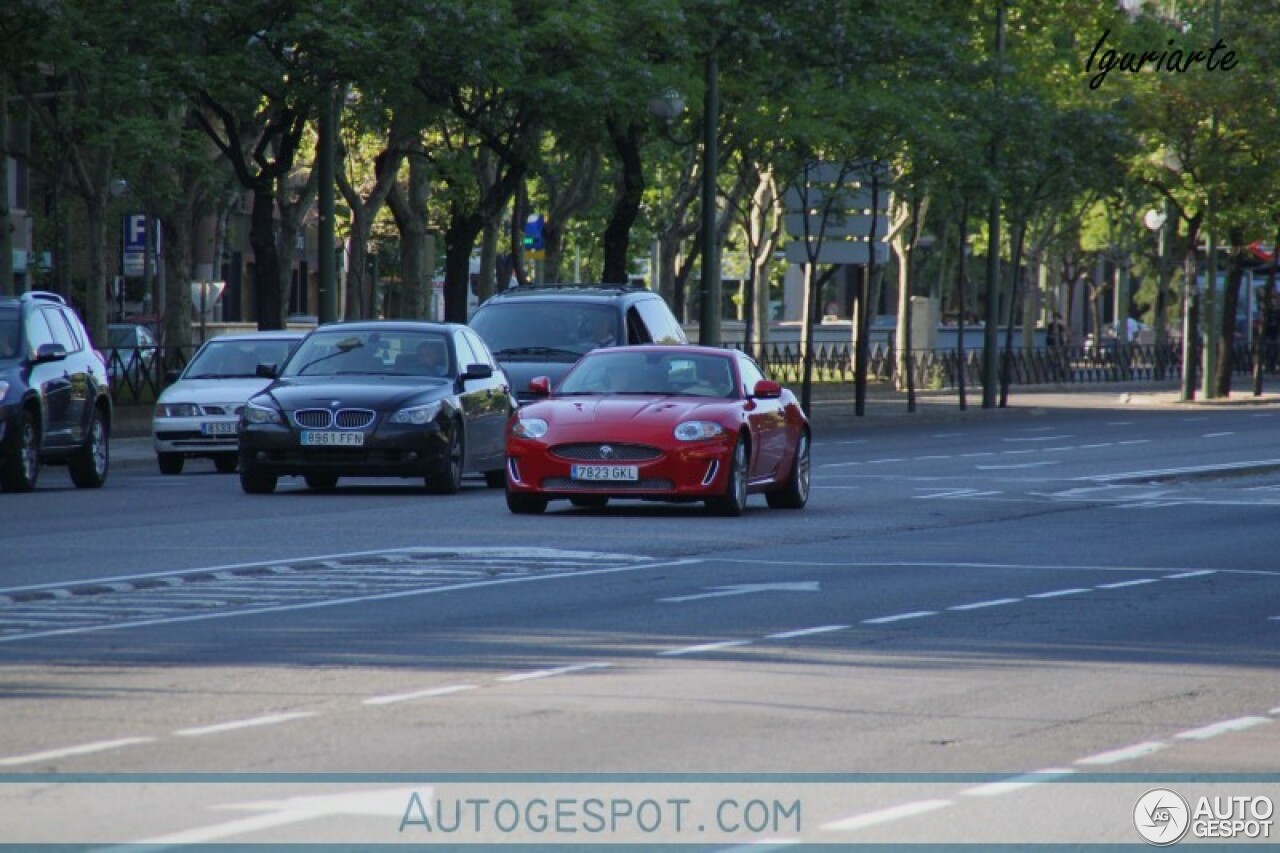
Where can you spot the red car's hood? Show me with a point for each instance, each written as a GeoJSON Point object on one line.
{"type": "Point", "coordinates": [646, 410]}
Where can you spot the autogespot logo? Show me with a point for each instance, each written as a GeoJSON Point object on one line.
{"type": "Point", "coordinates": [1161, 816]}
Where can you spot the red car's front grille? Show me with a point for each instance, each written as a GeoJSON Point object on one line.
{"type": "Point", "coordinates": [605, 451]}
{"type": "Point", "coordinates": [648, 484]}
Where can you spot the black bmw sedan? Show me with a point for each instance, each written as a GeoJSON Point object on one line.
{"type": "Point", "coordinates": [384, 398]}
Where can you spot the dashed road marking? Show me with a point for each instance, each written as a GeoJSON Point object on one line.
{"type": "Point", "coordinates": [429, 693]}
{"type": "Point", "coordinates": [70, 751]}
{"type": "Point", "coordinates": [251, 723]}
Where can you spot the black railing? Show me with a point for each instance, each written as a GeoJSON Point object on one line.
{"type": "Point", "coordinates": [941, 369]}
{"type": "Point", "coordinates": [138, 376]}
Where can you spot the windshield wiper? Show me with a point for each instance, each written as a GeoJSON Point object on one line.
{"type": "Point", "coordinates": [502, 353]}
{"type": "Point", "coordinates": [326, 357]}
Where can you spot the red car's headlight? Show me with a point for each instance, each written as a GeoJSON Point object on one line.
{"type": "Point", "coordinates": [529, 427]}
{"type": "Point", "coordinates": [698, 430]}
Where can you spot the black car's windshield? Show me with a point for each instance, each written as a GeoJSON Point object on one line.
{"type": "Point", "coordinates": [232, 359]}
{"type": "Point", "coordinates": [678, 373]}
{"type": "Point", "coordinates": [547, 330]}
{"type": "Point", "coordinates": [383, 352]}
{"type": "Point", "coordinates": [9, 319]}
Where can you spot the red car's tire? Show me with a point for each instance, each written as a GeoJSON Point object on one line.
{"type": "Point", "coordinates": [794, 494]}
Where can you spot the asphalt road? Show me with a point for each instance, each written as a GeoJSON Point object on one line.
{"type": "Point", "coordinates": [973, 617]}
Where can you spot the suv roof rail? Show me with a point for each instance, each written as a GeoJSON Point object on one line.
{"type": "Point", "coordinates": [45, 295]}
{"type": "Point", "coordinates": [578, 285]}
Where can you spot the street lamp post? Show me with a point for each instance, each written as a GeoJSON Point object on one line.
{"type": "Point", "coordinates": [666, 108]}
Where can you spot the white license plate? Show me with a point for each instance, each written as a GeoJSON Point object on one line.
{"type": "Point", "coordinates": [220, 428]}
{"type": "Point", "coordinates": [604, 472]}
{"type": "Point", "coordinates": [314, 438]}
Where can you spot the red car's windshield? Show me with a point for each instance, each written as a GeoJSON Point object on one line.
{"type": "Point", "coordinates": [674, 373]}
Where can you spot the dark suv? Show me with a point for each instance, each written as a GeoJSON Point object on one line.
{"type": "Point", "coordinates": [55, 403]}
{"type": "Point", "coordinates": [542, 330]}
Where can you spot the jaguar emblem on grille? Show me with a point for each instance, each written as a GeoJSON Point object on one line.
{"type": "Point", "coordinates": [606, 452]}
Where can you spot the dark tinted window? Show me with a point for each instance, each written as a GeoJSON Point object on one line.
{"type": "Point", "coordinates": [662, 324]}
{"type": "Point", "coordinates": [63, 330]}
{"type": "Point", "coordinates": [9, 332]}
{"type": "Point", "coordinates": [38, 333]}
{"type": "Point", "coordinates": [528, 328]}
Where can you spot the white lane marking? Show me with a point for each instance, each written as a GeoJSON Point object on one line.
{"type": "Point", "coordinates": [1217, 434]}
{"type": "Point", "coordinates": [885, 620]}
{"type": "Point", "coordinates": [1040, 438]}
{"type": "Point", "coordinates": [886, 815]}
{"type": "Point", "coordinates": [548, 673]}
{"type": "Point", "coordinates": [1017, 783]}
{"type": "Point", "coordinates": [805, 632]}
{"type": "Point", "coordinates": [957, 493]}
{"type": "Point", "coordinates": [976, 455]}
{"type": "Point", "coordinates": [1274, 711]}
{"type": "Point", "coordinates": [930, 458]}
{"type": "Point", "coordinates": [253, 722]}
{"type": "Point", "coordinates": [745, 589]}
{"type": "Point", "coordinates": [1095, 446]}
{"type": "Point", "coordinates": [67, 752]}
{"type": "Point", "coordinates": [513, 553]}
{"type": "Point", "coordinates": [1060, 592]}
{"type": "Point", "coordinates": [948, 434]}
{"type": "Point", "coordinates": [1122, 584]}
{"type": "Point", "coordinates": [1011, 467]}
{"type": "Point", "coordinates": [1134, 441]}
{"type": "Point", "coordinates": [420, 694]}
{"type": "Point", "coordinates": [978, 605]}
{"type": "Point", "coordinates": [272, 814]}
{"type": "Point", "coordinates": [882, 461]}
{"type": "Point", "coordinates": [1213, 730]}
{"type": "Point", "coordinates": [1189, 469]}
{"type": "Point", "coordinates": [705, 647]}
{"type": "Point", "coordinates": [1128, 753]}
{"type": "Point", "coordinates": [1199, 574]}
{"type": "Point", "coordinates": [338, 602]}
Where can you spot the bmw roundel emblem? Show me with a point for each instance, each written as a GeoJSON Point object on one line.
{"type": "Point", "coordinates": [333, 404]}
{"type": "Point", "coordinates": [606, 451]}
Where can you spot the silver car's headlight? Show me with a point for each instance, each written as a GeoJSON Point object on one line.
{"type": "Point", "coordinates": [255, 414]}
{"type": "Point", "coordinates": [530, 427]}
{"type": "Point", "coordinates": [698, 430]}
{"type": "Point", "coordinates": [177, 410]}
{"type": "Point", "coordinates": [417, 415]}
{"type": "Point", "coordinates": [4, 389]}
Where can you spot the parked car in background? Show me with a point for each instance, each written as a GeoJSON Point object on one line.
{"type": "Point", "coordinates": [381, 398]}
{"type": "Point", "coordinates": [673, 423]}
{"type": "Point", "coordinates": [542, 330]}
{"type": "Point", "coordinates": [198, 414]}
{"type": "Point", "coordinates": [55, 400]}
{"type": "Point", "coordinates": [131, 351]}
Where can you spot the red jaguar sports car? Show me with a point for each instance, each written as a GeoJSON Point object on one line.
{"type": "Point", "coordinates": [667, 423]}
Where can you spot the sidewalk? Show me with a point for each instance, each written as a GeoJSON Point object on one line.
{"type": "Point", "coordinates": [834, 408]}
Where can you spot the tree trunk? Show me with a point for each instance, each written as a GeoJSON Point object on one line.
{"type": "Point", "coordinates": [626, 204]}
{"type": "Point", "coordinates": [1230, 306]}
{"type": "Point", "coordinates": [266, 261]}
{"type": "Point", "coordinates": [417, 264]}
{"type": "Point", "coordinates": [177, 227]}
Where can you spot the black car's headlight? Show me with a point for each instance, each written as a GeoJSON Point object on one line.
{"type": "Point", "coordinates": [255, 414]}
{"type": "Point", "coordinates": [177, 410]}
{"type": "Point", "coordinates": [417, 415]}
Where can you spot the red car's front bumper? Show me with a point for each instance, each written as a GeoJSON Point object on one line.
{"type": "Point", "coordinates": [685, 470]}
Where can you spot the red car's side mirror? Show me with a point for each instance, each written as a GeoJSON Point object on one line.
{"type": "Point", "coordinates": [766, 390]}
{"type": "Point", "coordinates": [540, 386]}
